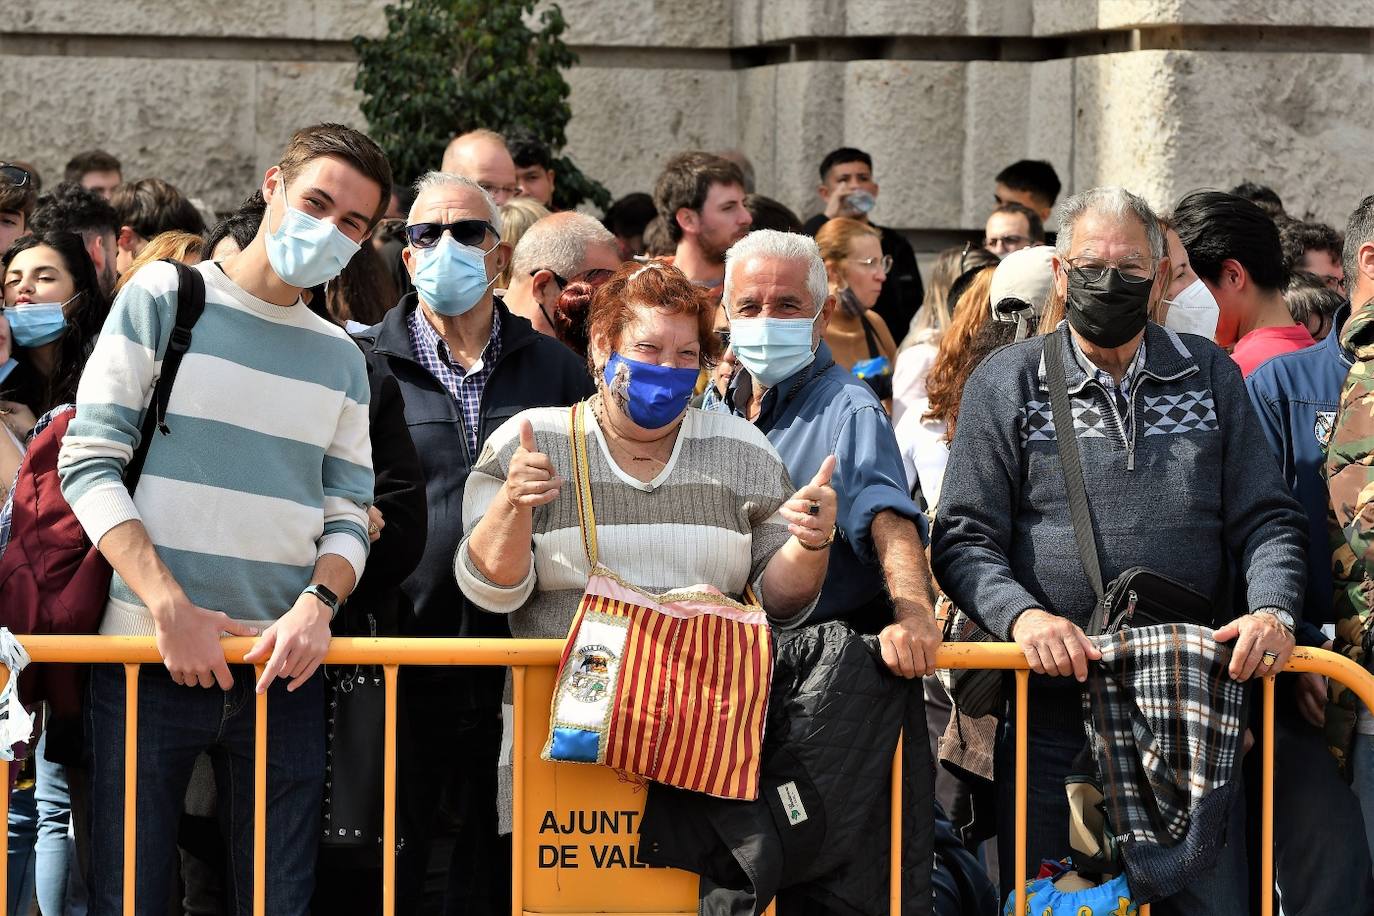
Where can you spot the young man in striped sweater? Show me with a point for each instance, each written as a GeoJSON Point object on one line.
{"type": "Point", "coordinates": [250, 519]}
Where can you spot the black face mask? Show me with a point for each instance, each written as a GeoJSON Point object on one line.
{"type": "Point", "coordinates": [1110, 311]}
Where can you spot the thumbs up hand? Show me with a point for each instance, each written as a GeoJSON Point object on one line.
{"type": "Point", "coordinates": [810, 512]}
{"type": "Point", "coordinates": [530, 479]}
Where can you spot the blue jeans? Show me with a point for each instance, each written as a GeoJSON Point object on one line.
{"type": "Point", "coordinates": [40, 843]}
{"type": "Point", "coordinates": [175, 725]}
{"type": "Point", "coordinates": [1221, 892]}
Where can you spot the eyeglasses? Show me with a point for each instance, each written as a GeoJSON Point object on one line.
{"type": "Point", "coordinates": [13, 175]}
{"type": "Point", "coordinates": [994, 242]}
{"type": "Point", "coordinates": [470, 232]}
{"type": "Point", "coordinates": [1132, 270]}
{"type": "Point", "coordinates": [494, 190]}
{"type": "Point", "coordinates": [557, 277]}
{"type": "Point", "coordinates": [724, 335]}
{"type": "Point", "coordinates": [885, 262]}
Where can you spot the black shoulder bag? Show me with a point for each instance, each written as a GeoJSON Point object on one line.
{"type": "Point", "coordinates": [1139, 597]}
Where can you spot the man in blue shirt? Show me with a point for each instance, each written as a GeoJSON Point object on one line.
{"type": "Point", "coordinates": [1296, 396]}
{"type": "Point", "coordinates": [879, 581]}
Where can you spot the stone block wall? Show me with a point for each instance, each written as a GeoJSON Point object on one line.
{"type": "Point", "coordinates": [1159, 95]}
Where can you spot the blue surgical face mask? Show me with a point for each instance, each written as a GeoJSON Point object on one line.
{"type": "Point", "coordinates": [652, 395]}
{"type": "Point", "coordinates": [451, 278]}
{"type": "Point", "coordinates": [773, 349]}
{"type": "Point", "coordinates": [305, 251]}
{"type": "Point", "coordinates": [34, 324]}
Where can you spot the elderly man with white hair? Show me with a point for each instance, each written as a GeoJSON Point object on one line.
{"type": "Point", "coordinates": [464, 364]}
{"type": "Point", "coordinates": [778, 302]}
{"type": "Point", "coordinates": [1178, 480]}
{"type": "Point", "coordinates": [548, 256]}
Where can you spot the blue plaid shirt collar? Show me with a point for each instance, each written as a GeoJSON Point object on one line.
{"type": "Point", "coordinates": [1104, 378]}
{"type": "Point", "coordinates": [465, 385]}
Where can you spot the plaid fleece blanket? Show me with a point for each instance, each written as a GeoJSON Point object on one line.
{"type": "Point", "coordinates": [1166, 721]}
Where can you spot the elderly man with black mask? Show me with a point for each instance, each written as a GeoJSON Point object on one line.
{"type": "Point", "coordinates": [1177, 479]}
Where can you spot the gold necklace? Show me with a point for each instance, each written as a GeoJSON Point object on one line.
{"type": "Point", "coordinates": [617, 442]}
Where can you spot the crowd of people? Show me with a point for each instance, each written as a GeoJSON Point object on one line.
{"type": "Point", "coordinates": [369, 435]}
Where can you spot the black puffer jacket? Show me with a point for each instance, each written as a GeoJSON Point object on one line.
{"type": "Point", "coordinates": [817, 837]}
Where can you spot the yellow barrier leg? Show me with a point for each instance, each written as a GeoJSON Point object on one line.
{"type": "Point", "coordinates": [517, 891]}
{"type": "Point", "coordinates": [130, 782]}
{"type": "Point", "coordinates": [1022, 707]}
{"type": "Point", "coordinates": [895, 865]}
{"type": "Point", "coordinates": [389, 796]}
{"type": "Point", "coordinates": [260, 802]}
{"type": "Point", "coordinates": [1267, 809]}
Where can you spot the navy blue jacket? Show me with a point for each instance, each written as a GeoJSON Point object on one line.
{"type": "Point", "coordinates": [533, 370]}
{"type": "Point", "coordinates": [1296, 396]}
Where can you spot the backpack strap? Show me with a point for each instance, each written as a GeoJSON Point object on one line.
{"type": "Point", "coordinates": [190, 305]}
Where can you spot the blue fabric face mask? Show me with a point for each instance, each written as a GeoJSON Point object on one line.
{"type": "Point", "coordinates": [305, 251]}
{"type": "Point", "coordinates": [652, 395]}
{"type": "Point", "coordinates": [34, 324]}
{"type": "Point", "coordinates": [450, 277]}
{"type": "Point", "coordinates": [772, 349]}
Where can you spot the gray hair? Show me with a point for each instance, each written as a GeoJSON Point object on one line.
{"type": "Point", "coordinates": [431, 180]}
{"type": "Point", "coordinates": [1358, 232]}
{"type": "Point", "coordinates": [558, 243]}
{"type": "Point", "coordinates": [785, 246]}
{"type": "Point", "coordinates": [1113, 202]}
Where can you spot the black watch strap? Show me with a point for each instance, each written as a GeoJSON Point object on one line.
{"type": "Point", "coordinates": [325, 594]}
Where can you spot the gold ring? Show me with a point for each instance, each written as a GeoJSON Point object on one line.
{"type": "Point", "coordinates": [1270, 658]}
{"type": "Point", "coordinates": [373, 529]}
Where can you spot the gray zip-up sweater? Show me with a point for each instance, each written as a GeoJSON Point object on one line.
{"type": "Point", "coordinates": [1195, 487]}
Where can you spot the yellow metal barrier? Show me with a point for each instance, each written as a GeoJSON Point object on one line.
{"type": "Point", "coordinates": [651, 892]}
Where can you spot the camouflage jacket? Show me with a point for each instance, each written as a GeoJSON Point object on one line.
{"type": "Point", "coordinates": [1350, 477]}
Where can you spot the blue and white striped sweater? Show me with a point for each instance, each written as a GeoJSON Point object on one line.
{"type": "Point", "coordinates": [269, 461]}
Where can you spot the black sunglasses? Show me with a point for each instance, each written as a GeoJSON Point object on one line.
{"type": "Point", "coordinates": [470, 232]}
{"type": "Point", "coordinates": [13, 175]}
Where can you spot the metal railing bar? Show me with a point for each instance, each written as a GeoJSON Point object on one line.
{"type": "Point", "coordinates": [260, 800]}
{"type": "Point", "coordinates": [389, 764]}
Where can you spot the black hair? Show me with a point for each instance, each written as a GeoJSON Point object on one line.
{"type": "Point", "coordinates": [1034, 223]}
{"type": "Point", "coordinates": [1298, 238]}
{"type": "Point", "coordinates": [770, 214]}
{"type": "Point", "coordinates": [85, 322]}
{"type": "Point", "coordinates": [241, 225]}
{"type": "Point", "coordinates": [405, 198]}
{"type": "Point", "coordinates": [71, 208]}
{"type": "Point", "coordinates": [1359, 231]}
{"type": "Point", "coordinates": [527, 149]}
{"type": "Point", "coordinates": [95, 160]}
{"type": "Point", "coordinates": [1262, 196]}
{"type": "Point", "coordinates": [843, 156]}
{"type": "Point", "coordinates": [1307, 294]}
{"type": "Point", "coordinates": [630, 215]}
{"type": "Point", "coordinates": [1215, 226]}
{"type": "Point", "coordinates": [1033, 176]}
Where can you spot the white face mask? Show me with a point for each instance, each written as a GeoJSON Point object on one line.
{"type": "Point", "coordinates": [1194, 311]}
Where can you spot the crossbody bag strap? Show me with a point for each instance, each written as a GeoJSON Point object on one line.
{"type": "Point", "coordinates": [1069, 459]}
{"type": "Point", "coordinates": [582, 480]}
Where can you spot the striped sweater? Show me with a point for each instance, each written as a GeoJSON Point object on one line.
{"type": "Point", "coordinates": [268, 465]}
{"type": "Point", "coordinates": [709, 518]}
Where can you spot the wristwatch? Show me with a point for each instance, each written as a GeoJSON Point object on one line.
{"type": "Point", "coordinates": [323, 593]}
{"type": "Point", "coordinates": [1284, 618]}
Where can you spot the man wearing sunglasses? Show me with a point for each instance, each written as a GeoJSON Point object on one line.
{"type": "Point", "coordinates": [465, 364]}
{"type": "Point", "coordinates": [554, 250]}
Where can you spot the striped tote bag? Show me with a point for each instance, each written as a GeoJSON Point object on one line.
{"type": "Point", "coordinates": [670, 687]}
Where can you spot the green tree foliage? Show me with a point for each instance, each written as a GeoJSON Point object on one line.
{"type": "Point", "coordinates": [449, 66]}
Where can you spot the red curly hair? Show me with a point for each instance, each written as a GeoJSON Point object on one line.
{"type": "Point", "coordinates": [655, 284]}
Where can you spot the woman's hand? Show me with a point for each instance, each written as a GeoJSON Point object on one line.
{"type": "Point", "coordinates": [530, 479]}
{"type": "Point", "coordinates": [17, 417]}
{"type": "Point", "coordinates": [810, 513]}
{"type": "Point", "coordinates": [375, 523]}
